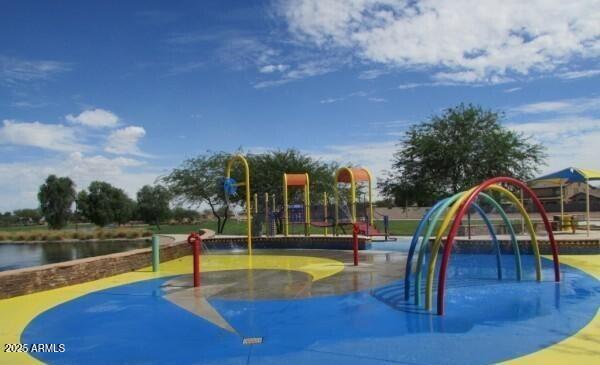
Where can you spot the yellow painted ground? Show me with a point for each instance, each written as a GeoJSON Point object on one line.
{"type": "Point", "coordinates": [16, 313]}
{"type": "Point", "coordinates": [584, 347]}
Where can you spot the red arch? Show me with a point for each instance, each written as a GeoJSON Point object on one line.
{"type": "Point", "coordinates": [463, 210]}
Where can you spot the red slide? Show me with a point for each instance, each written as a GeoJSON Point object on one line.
{"type": "Point", "coordinates": [368, 230]}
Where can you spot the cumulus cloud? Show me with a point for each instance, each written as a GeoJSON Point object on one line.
{"type": "Point", "coordinates": [124, 141]}
{"type": "Point", "coordinates": [570, 140]}
{"type": "Point", "coordinates": [465, 41]}
{"type": "Point", "coordinates": [95, 118]}
{"type": "Point", "coordinates": [128, 174]}
{"type": "Point", "coordinates": [55, 137]}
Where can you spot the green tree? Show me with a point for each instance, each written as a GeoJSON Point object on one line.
{"type": "Point", "coordinates": [181, 214]}
{"type": "Point", "coordinates": [28, 216]}
{"type": "Point", "coordinates": [56, 196]}
{"type": "Point", "coordinates": [103, 204]}
{"type": "Point", "coordinates": [267, 171]}
{"type": "Point", "coordinates": [198, 181]}
{"type": "Point", "coordinates": [153, 204]}
{"type": "Point", "coordinates": [455, 151]}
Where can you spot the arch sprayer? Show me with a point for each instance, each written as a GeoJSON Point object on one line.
{"type": "Point", "coordinates": [455, 209]}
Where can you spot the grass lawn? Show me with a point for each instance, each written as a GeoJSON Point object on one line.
{"type": "Point", "coordinates": [404, 227]}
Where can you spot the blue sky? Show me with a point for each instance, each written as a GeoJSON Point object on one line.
{"type": "Point", "coordinates": [125, 91]}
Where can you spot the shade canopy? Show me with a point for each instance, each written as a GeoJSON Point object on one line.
{"type": "Point", "coordinates": [569, 175]}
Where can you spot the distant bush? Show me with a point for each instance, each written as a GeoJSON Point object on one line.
{"type": "Point", "coordinates": [133, 234]}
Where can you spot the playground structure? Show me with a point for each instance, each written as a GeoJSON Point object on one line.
{"type": "Point", "coordinates": [230, 187]}
{"type": "Point", "coordinates": [280, 220]}
{"type": "Point", "coordinates": [303, 216]}
{"type": "Point", "coordinates": [455, 208]}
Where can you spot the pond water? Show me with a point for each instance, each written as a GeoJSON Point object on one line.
{"type": "Point", "coordinates": [19, 255]}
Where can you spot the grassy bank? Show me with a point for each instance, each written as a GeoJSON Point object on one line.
{"type": "Point", "coordinates": [65, 234]}
{"type": "Point", "coordinates": [87, 231]}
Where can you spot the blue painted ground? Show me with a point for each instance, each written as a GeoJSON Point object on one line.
{"type": "Point", "coordinates": [486, 321]}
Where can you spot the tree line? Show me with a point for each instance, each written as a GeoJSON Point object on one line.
{"type": "Point", "coordinates": [442, 155]}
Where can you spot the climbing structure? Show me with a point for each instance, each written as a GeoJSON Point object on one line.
{"type": "Point", "coordinates": [451, 212]}
{"type": "Point", "coordinates": [303, 216]}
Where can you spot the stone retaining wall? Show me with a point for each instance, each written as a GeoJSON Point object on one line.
{"type": "Point", "coordinates": [33, 279]}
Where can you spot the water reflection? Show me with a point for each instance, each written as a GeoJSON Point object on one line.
{"type": "Point", "coordinates": [16, 255]}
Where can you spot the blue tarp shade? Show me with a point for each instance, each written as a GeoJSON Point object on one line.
{"type": "Point", "coordinates": [571, 175]}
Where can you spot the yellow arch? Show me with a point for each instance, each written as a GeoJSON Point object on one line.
{"type": "Point", "coordinates": [246, 183]}
{"type": "Point", "coordinates": [446, 222]}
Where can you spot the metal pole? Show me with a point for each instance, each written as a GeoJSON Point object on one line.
{"type": "Point", "coordinates": [196, 248]}
{"type": "Point", "coordinates": [325, 211]}
{"type": "Point", "coordinates": [286, 231]}
{"type": "Point", "coordinates": [155, 253]}
{"type": "Point", "coordinates": [386, 226]}
{"type": "Point", "coordinates": [562, 210]}
{"type": "Point", "coordinates": [255, 203]}
{"type": "Point", "coordinates": [355, 230]}
{"type": "Point", "coordinates": [266, 214]}
{"type": "Point", "coordinates": [469, 223]}
{"type": "Point", "coordinates": [587, 204]}
{"type": "Point", "coordinates": [522, 218]}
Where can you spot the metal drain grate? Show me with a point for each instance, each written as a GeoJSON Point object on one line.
{"type": "Point", "coordinates": [252, 340]}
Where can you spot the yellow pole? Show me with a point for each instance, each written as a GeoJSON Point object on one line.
{"type": "Point", "coordinates": [307, 206]}
{"type": "Point", "coordinates": [587, 204]}
{"type": "Point", "coordinates": [325, 210]}
{"type": "Point", "coordinates": [247, 184]}
{"type": "Point", "coordinates": [285, 206]}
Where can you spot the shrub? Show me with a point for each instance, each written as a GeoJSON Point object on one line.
{"type": "Point", "coordinates": [3, 237]}
{"type": "Point", "coordinates": [58, 236]}
{"type": "Point", "coordinates": [121, 234]}
{"type": "Point", "coordinates": [20, 236]}
{"type": "Point", "coordinates": [147, 233]}
{"type": "Point", "coordinates": [133, 234]}
{"type": "Point", "coordinates": [75, 235]}
{"type": "Point", "coordinates": [33, 237]}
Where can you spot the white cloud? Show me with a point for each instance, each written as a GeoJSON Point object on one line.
{"type": "Point", "coordinates": [570, 140]}
{"type": "Point", "coordinates": [128, 174]}
{"type": "Point", "coordinates": [55, 137]}
{"type": "Point", "coordinates": [577, 105]}
{"type": "Point", "coordinates": [512, 90]}
{"type": "Point", "coordinates": [96, 118]}
{"type": "Point", "coordinates": [267, 69]}
{"type": "Point", "coordinates": [376, 156]}
{"type": "Point", "coordinates": [579, 74]}
{"type": "Point", "coordinates": [299, 72]}
{"type": "Point", "coordinates": [372, 74]}
{"type": "Point", "coordinates": [124, 141]}
{"type": "Point", "coordinates": [465, 41]}
{"type": "Point", "coordinates": [377, 100]}
{"type": "Point", "coordinates": [14, 70]}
